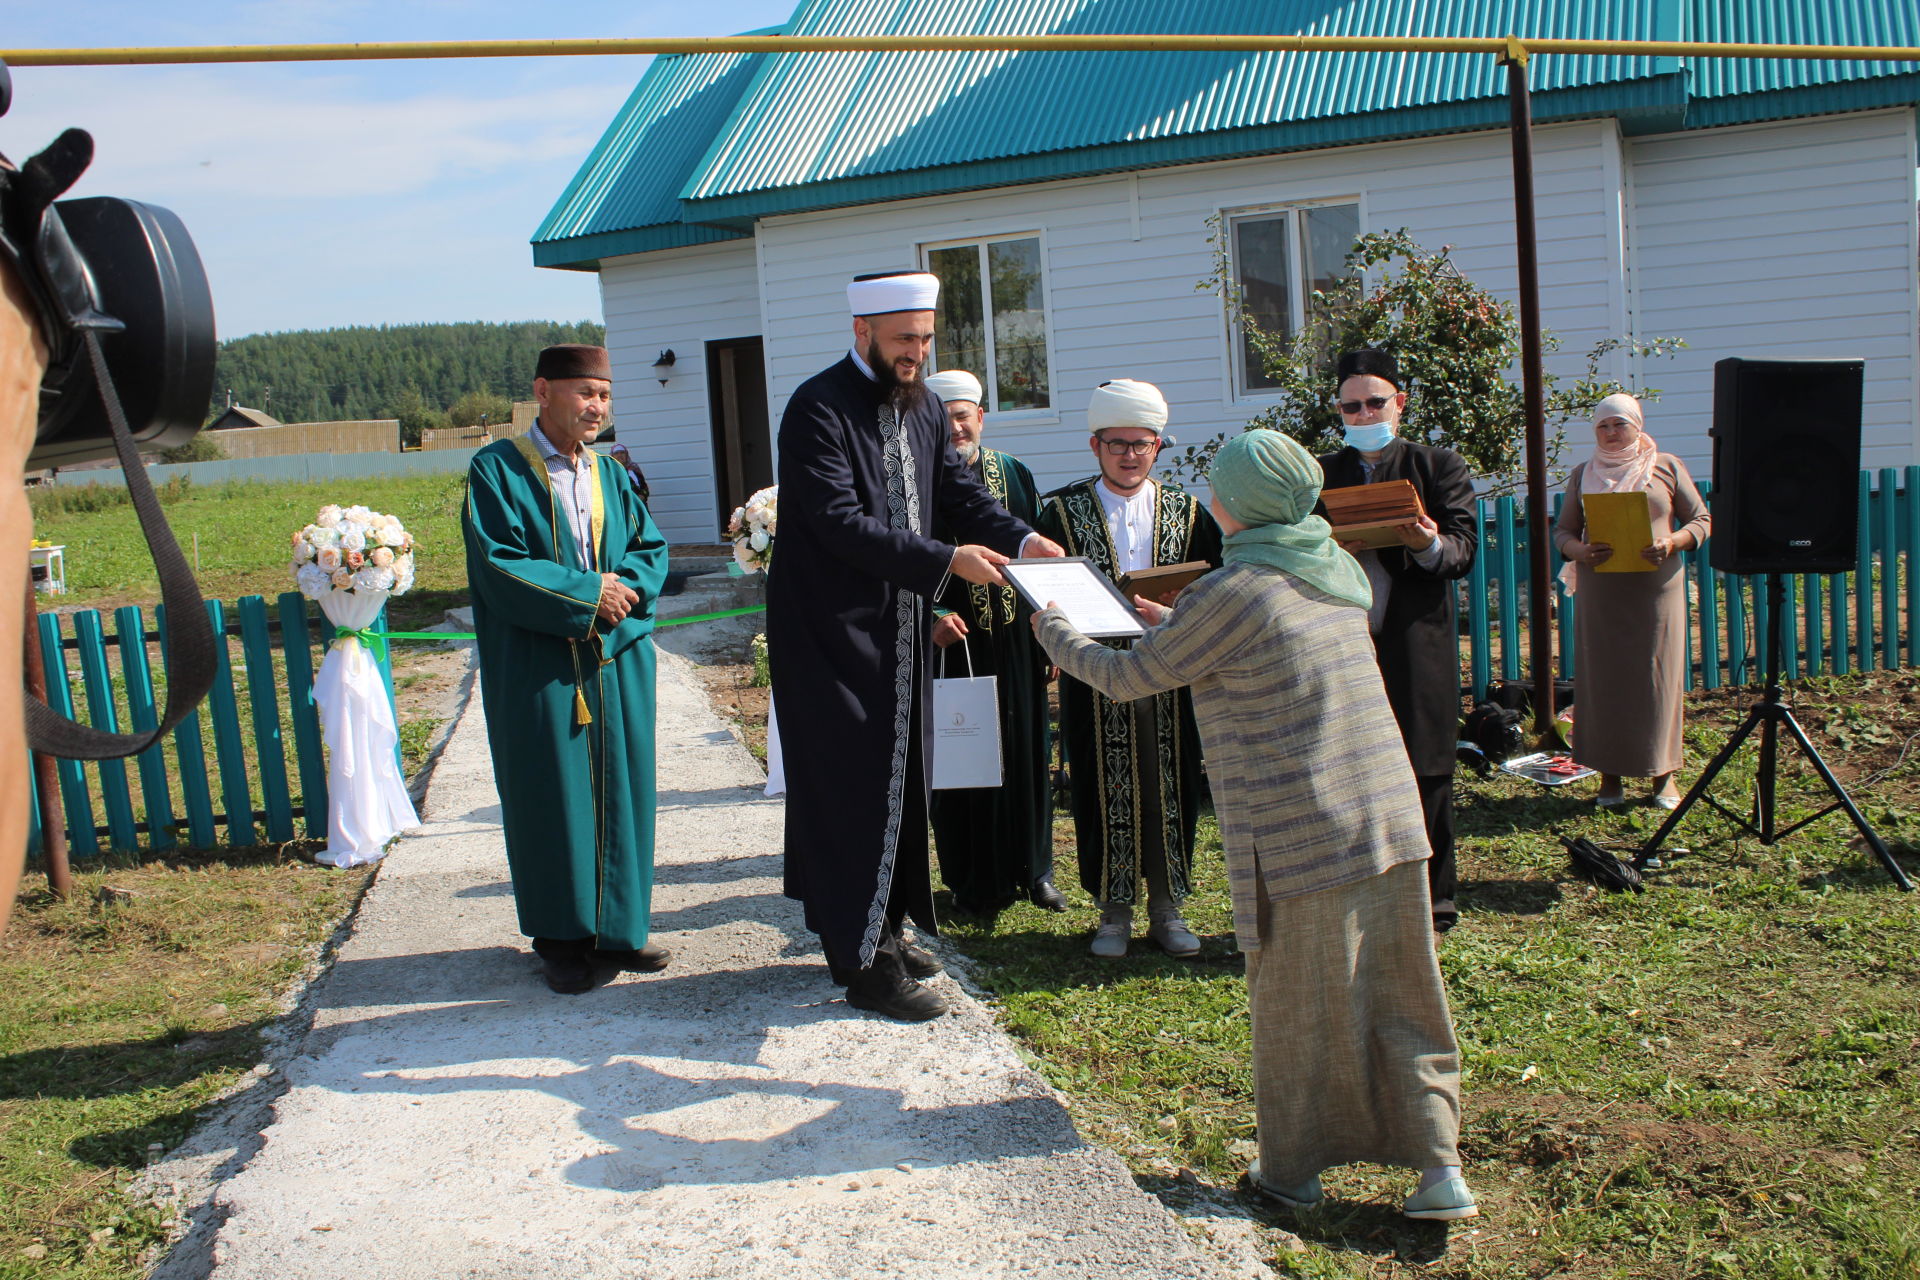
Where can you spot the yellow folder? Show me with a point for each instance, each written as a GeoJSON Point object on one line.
{"type": "Point", "coordinates": [1622, 521]}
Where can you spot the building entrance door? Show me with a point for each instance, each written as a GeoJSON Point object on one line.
{"type": "Point", "coordinates": [737, 405]}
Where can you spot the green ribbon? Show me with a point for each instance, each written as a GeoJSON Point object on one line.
{"type": "Point", "coordinates": [376, 641]}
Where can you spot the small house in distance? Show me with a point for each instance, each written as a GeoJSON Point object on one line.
{"type": "Point", "coordinates": [1069, 202]}
{"type": "Point", "coordinates": [238, 418]}
{"type": "Point", "coordinates": [250, 433]}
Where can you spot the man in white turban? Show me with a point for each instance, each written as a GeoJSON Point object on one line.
{"type": "Point", "coordinates": [867, 475]}
{"type": "Point", "coordinates": [1134, 767]}
{"type": "Point", "coordinates": [995, 844]}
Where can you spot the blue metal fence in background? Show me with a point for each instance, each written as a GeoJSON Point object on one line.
{"type": "Point", "coordinates": [250, 784]}
{"type": "Point", "coordinates": [1836, 623]}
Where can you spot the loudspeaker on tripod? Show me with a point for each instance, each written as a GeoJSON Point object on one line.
{"type": "Point", "coordinates": [1786, 465]}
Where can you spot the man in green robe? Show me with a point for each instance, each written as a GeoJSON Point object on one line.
{"type": "Point", "coordinates": [564, 565]}
{"type": "Point", "coordinates": [995, 844]}
{"type": "Point", "coordinates": [1134, 767]}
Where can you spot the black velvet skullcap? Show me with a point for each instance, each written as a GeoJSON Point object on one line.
{"type": "Point", "coordinates": [1370, 362]}
{"type": "Point", "coordinates": [574, 360]}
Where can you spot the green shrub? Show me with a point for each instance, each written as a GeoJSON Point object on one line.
{"type": "Point", "coordinates": [762, 673]}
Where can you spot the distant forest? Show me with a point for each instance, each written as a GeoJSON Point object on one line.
{"type": "Point", "coordinates": [392, 371]}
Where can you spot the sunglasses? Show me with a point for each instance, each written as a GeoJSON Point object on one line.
{"type": "Point", "coordinates": [1352, 407]}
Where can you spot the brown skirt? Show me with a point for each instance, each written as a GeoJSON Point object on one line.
{"type": "Point", "coordinates": [1353, 1049]}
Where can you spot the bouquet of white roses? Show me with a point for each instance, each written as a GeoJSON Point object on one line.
{"type": "Point", "coordinates": [352, 549]}
{"type": "Point", "coordinates": [751, 530]}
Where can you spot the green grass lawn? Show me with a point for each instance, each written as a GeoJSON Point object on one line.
{"type": "Point", "coordinates": [118, 1023]}
{"type": "Point", "coordinates": [1717, 1078]}
{"type": "Point", "coordinates": [239, 535]}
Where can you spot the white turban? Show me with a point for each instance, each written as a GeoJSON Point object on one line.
{"type": "Point", "coordinates": [955, 384]}
{"type": "Point", "coordinates": [894, 291]}
{"type": "Point", "coordinates": [1126, 403]}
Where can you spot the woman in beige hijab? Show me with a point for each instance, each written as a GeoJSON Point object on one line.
{"type": "Point", "coordinates": [1630, 631]}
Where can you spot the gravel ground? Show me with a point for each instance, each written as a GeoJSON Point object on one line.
{"type": "Point", "coordinates": [434, 1111]}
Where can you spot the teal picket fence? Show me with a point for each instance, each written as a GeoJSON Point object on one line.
{"type": "Point", "coordinates": [248, 767]}
{"type": "Point", "coordinates": [1836, 623]}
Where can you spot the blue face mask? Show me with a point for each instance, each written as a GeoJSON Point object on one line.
{"type": "Point", "coordinates": [1370, 437]}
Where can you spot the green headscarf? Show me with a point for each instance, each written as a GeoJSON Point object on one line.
{"type": "Point", "coordinates": [1269, 483]}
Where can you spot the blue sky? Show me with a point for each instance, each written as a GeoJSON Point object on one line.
{"type": "Point", "coordinates": [327, 194]}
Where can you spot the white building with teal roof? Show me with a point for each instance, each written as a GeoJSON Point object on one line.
{"type": "Point", "coordinates": [1754, 208]}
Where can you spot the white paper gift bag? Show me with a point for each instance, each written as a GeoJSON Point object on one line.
{"type": "Point", "coordinates": [966, 729]}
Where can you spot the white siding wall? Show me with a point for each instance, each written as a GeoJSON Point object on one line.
{"type": "Point", "coordinates": [678, 299]}
{"type": "Point", "coordinates": [1794, 239]}
{"type": "Point", "coordinates": [1123, 255]}
{"type": "Point", "coordinates": [1782, 240]}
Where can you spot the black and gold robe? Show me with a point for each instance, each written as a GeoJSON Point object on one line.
{"type": "Point", "coordinates": [1114, 798]}
{"type": "Point", "coordinates": [994, 842]}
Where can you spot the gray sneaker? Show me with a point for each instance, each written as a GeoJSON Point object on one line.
{"type": "Point", "coordinates": [1170, 933]}
{"type": "Point", "coordinates": [1115, 931]}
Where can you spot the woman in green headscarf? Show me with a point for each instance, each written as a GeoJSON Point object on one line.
{"type": "Point", "coordinates": [1353, 1050]}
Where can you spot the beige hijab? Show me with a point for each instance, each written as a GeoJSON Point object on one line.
{"type": "Point", "coordinates": [1616, 470]}
{"type": "Point", "coordinates": [1620, 470]}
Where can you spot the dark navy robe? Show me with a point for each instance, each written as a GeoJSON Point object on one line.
{"type": "Point", "coordinates": [848, 637]}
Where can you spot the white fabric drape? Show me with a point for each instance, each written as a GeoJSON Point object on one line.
{"type": "Point", "coordinates": [776, 772]}
{"type": "Point", "coordinates": [367, 801]}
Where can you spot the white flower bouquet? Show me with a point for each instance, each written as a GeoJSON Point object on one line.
{"type": "Point", "coordinates": [350, 559]}
{"type": "Point", "coordinates": [751, 530]}
{"type": "Point", "coordinates": [352, 549]}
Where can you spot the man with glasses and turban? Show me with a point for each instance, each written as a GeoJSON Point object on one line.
{"type": "Point", "coordinates": [1354, 1056]}
{"type": "Point", "coordinates": [995, 844]}
{"type": "Point", "coordinates": [1133, 767]}
{"type": "Point", "coordinates": [866, 475]}
{"type": "Point", "coordinates": [1415, 633]}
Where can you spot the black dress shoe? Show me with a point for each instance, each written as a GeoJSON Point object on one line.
{"type": "Point", "coordinates": [648, 959]}
{"type": "Point", "coordinates": [918, 961]}
{"type": "Point", "coordinates": [1047, 896]}
{"type": "Point", "coordinates": [888, 991]}
{"type": "Point", "coordinates": [567, 972]}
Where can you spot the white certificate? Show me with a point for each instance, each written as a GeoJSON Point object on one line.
{"type": "Point", "coordinates": [1092, 604]}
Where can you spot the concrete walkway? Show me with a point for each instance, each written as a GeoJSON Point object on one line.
{"type": "Point", "coordinates": [444, 1115]}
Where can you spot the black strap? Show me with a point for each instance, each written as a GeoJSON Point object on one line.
{"type": "Point", "coordinates": [189, 633]}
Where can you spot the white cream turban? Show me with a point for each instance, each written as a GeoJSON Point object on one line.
{"type": "Point", "coordinates": [1620, 405]}
{"type": "Point", "coordinates": [954, 384]}
{"type": "Point", "coordinates": [894, 291]}
{"type": "Point", "coordinates": [1126, 403]}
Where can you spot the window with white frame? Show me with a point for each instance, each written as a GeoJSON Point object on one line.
{"type": "Point", "coordinates": [992, 319]}
{"type": "Point", "coordinates": [1280, 257]}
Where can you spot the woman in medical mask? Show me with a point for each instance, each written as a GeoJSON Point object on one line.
{"type": "Point", "coordinates": [1630, 628]}
{"type": "Point", "coordinates": [1415, 632]}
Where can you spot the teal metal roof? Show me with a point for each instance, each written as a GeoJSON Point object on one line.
{"type": "Point", "coordinates": [819, 130]}
{"type": "Point", "coordinates": [625, 199]}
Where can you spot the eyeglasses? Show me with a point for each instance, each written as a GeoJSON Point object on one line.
{"type": "Point", "coordinates": [1121, 448]}
{"type": "Point", "coordinates": [1352, 407]}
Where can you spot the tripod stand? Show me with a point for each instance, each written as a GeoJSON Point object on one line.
{"type": "Point", "coordinates": [1769, 715]}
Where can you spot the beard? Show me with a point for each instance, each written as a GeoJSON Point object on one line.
{"type": "Point", "coordinates": [899, 394]}
{"type": "Point", "coordinates": [969, 452]}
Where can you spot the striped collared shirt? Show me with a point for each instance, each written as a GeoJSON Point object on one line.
{"type": "Point", "coordinates": [572, 490]}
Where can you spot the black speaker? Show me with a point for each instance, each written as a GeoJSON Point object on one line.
{"type": "Point", "coordinates": [1786, 465]}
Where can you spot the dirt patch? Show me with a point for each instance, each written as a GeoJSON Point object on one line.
{"type": "Point", "coordinates": [1866, 727]}
{"type": "Point", "coordinates": [426, 682]}
{"type": "Point", "coordinates": [736, 699]}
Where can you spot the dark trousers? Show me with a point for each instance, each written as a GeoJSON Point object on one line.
{"type": "Point", "coordinates": [1436, 805]}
